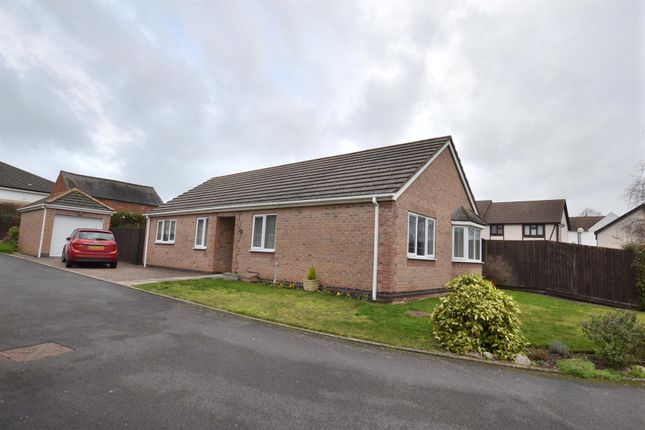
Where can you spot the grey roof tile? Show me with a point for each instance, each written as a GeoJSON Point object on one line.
{"type": "Point", "coordinates": [522, 212]}
{"type": "Point", "coordinates": [110, 189]}
{"type": "Point", "coordinates": [13, 177]}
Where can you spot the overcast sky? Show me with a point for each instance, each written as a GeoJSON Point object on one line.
{"type": "Point", "coordinates": [543, 100]}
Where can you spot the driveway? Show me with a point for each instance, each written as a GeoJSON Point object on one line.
{"type": "Point", "coordinates": [144, 361]}
{"type": "Point", "coordinates": [125, 273]}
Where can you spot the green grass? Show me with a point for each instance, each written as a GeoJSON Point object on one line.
{"type": "Point", "coordinates": [7, 248]}
{"type": "Point", "coordinates": [544, 318]}
{"type": "Point", "coordinates": [586, 369]}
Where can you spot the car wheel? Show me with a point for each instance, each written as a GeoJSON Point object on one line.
{"type": "Point", "coordinates": [113, 265]}
{"type": "Point", "coordinates": [68, 262]}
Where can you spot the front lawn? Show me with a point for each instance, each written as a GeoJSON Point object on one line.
{"type": "Point", "coordinates": [545, 318]}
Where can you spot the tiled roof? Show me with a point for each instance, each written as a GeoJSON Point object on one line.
{"type": "Point", "coordinates": [522, 212]}
{"type": "Point", "coordinates": [73, 199]}
{"type": "Point", "coordinates": [466, 214]}
{"type": "Point", "coordinates": [376, 171]}
{"type": "Point", "coordinates": [13, 177]}
{"type": "Point", "coordinates": [110, 189]}
{"type": "Point", "coordinates": [586, 222]}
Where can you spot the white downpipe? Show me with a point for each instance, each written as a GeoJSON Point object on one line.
{"type": "Point", "coordinates": [145, 247]}
{"type": "Point", "coordinates": [42, 232]}
{"type": "Point", "coordinates": [375, 262]}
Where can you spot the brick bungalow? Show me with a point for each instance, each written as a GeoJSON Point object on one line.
{"type": "Point", "coordinates": [121, 196]}
{"type": "Point", "coordinates": [394, 221]}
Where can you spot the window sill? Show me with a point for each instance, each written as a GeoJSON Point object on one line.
{"type": "Point", "coordinates": [266, 251]}
{"type": "Point", "coordinates": [164, 243]}
{"type": "Point", "coordinates": [199, 248]}
{"type": "Point", "coordinates": [420, 257]}
{"type": "Point", "coordinates": [468, 261]}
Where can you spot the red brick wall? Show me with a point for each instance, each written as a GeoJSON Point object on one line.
{"type": "Point", "coordinates": [29, 238]}
{"type": "Point", "coordinates": [59, 186]}
{"type": "Point", "coordinates": [435, 194]}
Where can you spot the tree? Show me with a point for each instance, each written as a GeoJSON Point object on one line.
{"type": "Point", "coordinates": [589, 212]}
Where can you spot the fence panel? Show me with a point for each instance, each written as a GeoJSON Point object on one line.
{"type": "Point", "coordinates": [130, 242]}
{"type": "Point", "coordinates": [589, 273]}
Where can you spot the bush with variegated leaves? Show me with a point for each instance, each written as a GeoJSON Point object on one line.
{"type": "Point", "coordinates": [476, 317]}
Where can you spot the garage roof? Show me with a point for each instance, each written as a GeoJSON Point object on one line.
{"type": "Point", "coordinates": [72, 199]}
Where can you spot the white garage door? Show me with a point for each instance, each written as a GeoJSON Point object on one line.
{"type": "Point", "coordinates": [64, 225]}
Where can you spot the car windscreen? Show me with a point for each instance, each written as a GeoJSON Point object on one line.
{"type": "Point", "coordinates": [95, 235]}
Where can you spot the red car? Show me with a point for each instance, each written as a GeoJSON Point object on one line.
{"type": "Point", "coordinates": [91, 246]}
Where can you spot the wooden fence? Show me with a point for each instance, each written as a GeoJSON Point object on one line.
{"type": "Point", "coordinates": [588, 273]}
{"type": "Point", "coordinates": [130, 241]}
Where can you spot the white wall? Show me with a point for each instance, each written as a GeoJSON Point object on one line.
{"type": "Point", "coordinates": [20, 197]}
{"type": "Point", "coordinates": [589, 237]}
{"type": "Point", "coordinates": [614, 236]}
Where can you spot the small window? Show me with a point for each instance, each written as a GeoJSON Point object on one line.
{"type": "Point", "coordinates": [263, 233]}
{"type": "Point", "coordinates": [533, 230]}
{"type": "Point", "coordinates": [497, 230]}
{"type": "Point", "coordinates": [166, 231]}
{"type": "Point", "coordinates": [421, 232]}
{"type": "Point", "coordinates": [466, 244]}
{"type": "Point", "coordinates": [201, 232]}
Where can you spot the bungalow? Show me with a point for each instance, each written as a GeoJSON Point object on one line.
{"type": "Point", "coordinates": [525, 220]}
{"type": "Point", "coordinates": [394, 221]}
{"type": "Point", "coordinates": [629, 227]}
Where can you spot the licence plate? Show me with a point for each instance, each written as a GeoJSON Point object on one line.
{"type": "Point", "coordinates": [95, 248]}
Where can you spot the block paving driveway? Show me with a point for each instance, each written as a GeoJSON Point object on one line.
{"type": "Point", "coordinates": [146, 362]}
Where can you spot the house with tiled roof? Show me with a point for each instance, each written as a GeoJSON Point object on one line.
{"type": "Point", "coordinates": [391, 222]}
{"type": "Point", "coordinates": [525, 220]}
{"type": "Point", "coordinates": [19, 187]}
{"type": "Point", "coordinates": [624, 229]}
{"type": "Point", "coordinates": [582, 228]}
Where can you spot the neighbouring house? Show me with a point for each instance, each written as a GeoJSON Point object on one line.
{"type": "Point", "coordinates": [121, 196]}
{"type": "Point", "coordinates": [45, 224]}
{"type": "Point", "coordinates": [395, 221]}
{"type": "Point", "coordinates": [525, 220]}
{"type": "Point", "coordinates": [629, 227]}
{"type": "Point", "coordinates": [19, 187]}
{"type": "Point", "coordinates": [588, 224]}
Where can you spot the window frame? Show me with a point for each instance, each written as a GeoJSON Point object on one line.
{"type": "Point", "coordinates": [530, 226]}
{"type": "Point", "coordinates": [204, 237]}
{"type": "Point", "coordinates": [497, 227]}
{"type": "Point", "coordinates": [466, 233]}
{"type": "Point", "coordinates": [172, 231]}
{"type": "Point", "coordinates": [262, 247]}
{"type": "Point", "coordinates": [426, 255]}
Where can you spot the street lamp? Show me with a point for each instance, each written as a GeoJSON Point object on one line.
{"type": "Point", "coordinates": [580, 231]}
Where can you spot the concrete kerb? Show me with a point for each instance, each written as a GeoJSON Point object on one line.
{"type": "Point", "coordinates": [434, 353]}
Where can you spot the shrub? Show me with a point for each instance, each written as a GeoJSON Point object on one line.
{"type": "Point", "coordinates": [12, 235]}
{"type": "Point", "coordinates": [311, 275]}
{"type": "Point", "coordinates": [558, 347]}
{"type": "Point", "coordinates": [638, 264]}
{"type": "Point", "coordinates": [127, 218]}
{"type": "Point", "coordinates": [637, 372]}
{"type": "Point", "coordinates": [476, 316]}
{"type": "Point", "coordinates": [619, 337]}
{"type": "Point", "coordinates": [585, 369]}
{"type": "Point", "coordinates": [7, 248]}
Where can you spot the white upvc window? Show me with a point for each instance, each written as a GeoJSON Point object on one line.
{"type": "Point", "coordinates": [421, 237]}
{"type": "Point", "coordinates": [201, 233]}
{"type": "Point", "coordinates": [166, 231]}
{"type": "Point", "coordinates": [263, 235]}
{"type": "Point", "coordinates": [466, 243]}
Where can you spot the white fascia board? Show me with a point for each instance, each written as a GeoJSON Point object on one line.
{"type": "Point", "coordinates": [275, 205]}
{"type": "Point", "coordinates": [68, 208]}
{"type": "Point", "coordinates": [469, 223]}
{"type": "Point", "coordinates": [448, 144]}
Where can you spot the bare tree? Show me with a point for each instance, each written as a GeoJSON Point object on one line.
{"type": "Point", "coordinates": [633, 228]}
{"type": "Point", "coordinates": [635, 191]}
{"type": "Point", "coordinates": [589, 212]}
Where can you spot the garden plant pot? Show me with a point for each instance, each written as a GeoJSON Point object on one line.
{"type": "Point", "coordinates": [308, 285]}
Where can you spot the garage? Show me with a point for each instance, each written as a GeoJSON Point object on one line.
{"type": "Point", "coordinates": [64, 225]}
{"type": "Point", "coordinates": [46, 224]}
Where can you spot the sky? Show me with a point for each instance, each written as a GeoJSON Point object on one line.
{"type": "Point", "coordinates": [543, 100]}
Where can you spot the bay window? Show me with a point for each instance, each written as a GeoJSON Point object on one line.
{"type": "Point", "coordinates": [466, 243]}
